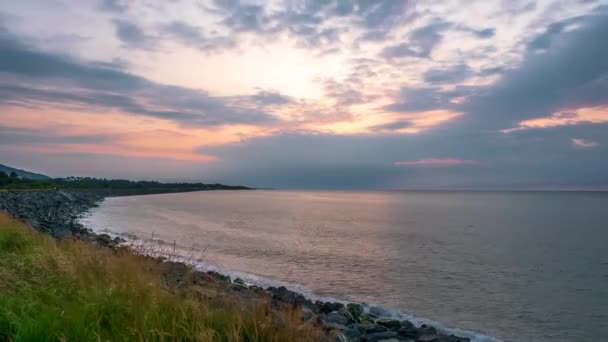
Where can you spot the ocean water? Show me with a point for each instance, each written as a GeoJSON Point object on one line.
{"type": "Point", "coordinates": [517, 266]}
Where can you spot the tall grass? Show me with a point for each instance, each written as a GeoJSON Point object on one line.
{"type": "Point", "coordinates": [72, 291]}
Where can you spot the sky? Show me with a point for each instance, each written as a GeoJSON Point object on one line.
{"type": "Point", "coordinates": [335, 94]}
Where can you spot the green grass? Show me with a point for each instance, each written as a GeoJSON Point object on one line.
{"type": "Point", "coordinates": [72, 291]}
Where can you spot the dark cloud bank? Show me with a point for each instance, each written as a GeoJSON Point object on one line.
{"type": "Point", "coordinates": [571, 72]}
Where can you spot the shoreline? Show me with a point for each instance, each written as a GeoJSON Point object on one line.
{"type": "Point", "coordinates": [58, 213]}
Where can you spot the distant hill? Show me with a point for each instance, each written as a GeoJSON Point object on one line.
{"type": "Point", "coordinates": [23, 173]}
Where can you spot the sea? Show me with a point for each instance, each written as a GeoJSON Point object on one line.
{"type": "Point", "coordinates": [492, 266]}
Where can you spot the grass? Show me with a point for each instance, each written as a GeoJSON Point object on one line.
{"type": "Point", "coordinates": [73, 291]}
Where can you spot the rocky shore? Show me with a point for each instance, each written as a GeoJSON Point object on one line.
{"type": "Point", "coordinates": [56, 212]}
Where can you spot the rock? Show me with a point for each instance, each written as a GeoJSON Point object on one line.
{"type": "Point", "coordinates": [334, 326]}
{"type": "Point", "coordinates": [365, 318]}
{"type": "Point", "coordinates": [62, 234]}
{"type": "Point", "coordinates": [452, 338]}
{"type": "Point", "coordinates": [104, 240]}
{"type": "Point", "coordinates": [284, 295]}
{"type": "Point", "coordinates": [390, 324]}
{"type": "Point", "coordinates": [367, 328]}
{"type": "Point", "coordinates": [239, 287]}
{"type": "Point", "coordinates": [428, 338]}
{"type": "Point", "coordinates": [346, 314]}
{"type": "Point", "coordinates": [379, 312]}
{"type": "Point", "coordinates": [408, 330]}
{"type": "Point", "coordinates": [175, 273]}
{"type": "Point", "coordinates": [356, 310]}
{"type": "Point", "coordinates": [427, 330]}
{"type": "Point", "coordinates": [218, 277]}
{"type": "Point", "coordinates": [375, 337]}
{"type": "Point", "coordinates": [239, 281]}
{"type": "Point", "coordinates": [352, 334]}
{"type": "Point", "coordinates": [340, 338]}
{"type": "Point", "coordinates": [334, 317]}
{"type": "Point", "coordinates": [307, 314]}
{"type": "Point", "coordinates": [327, 307]}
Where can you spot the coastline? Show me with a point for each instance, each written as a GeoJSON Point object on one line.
{"type": "Point", "coordinates": [57, 212]}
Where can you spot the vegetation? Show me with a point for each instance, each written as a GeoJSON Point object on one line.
{"type": "Point", "coordinates": [73, 291]}
{"type": "Point", "coordinates": [22, 173]}
{"type": "Point", "coordinates": [13, 181]}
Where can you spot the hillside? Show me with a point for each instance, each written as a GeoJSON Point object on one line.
{"type": "Point", "coordinates": [23, 173]}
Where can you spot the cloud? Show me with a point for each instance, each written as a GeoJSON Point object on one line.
{"type": "Point", "coordinates": [13, 135]}
{"type": "Point", "coordinates": [485, 33]}
{"type": "Point", "coordinates": [453, 74]}
{"type": "Point", "coordinates": [312, 23]}
{"type": "Point", "coordinates": [116, 6]}
{"type": "Point", "coordinates": [437, 162]}
{"type": "Point", "coordinates": [243, 17]}
{"type": "Point", "coordinates": [429, 98]}
{"type": "Point", "coordinates": [549, 82]}
{"type": "Point", "coordinates": [345, 93]}
{"type": "Point", "coordinates": [491, 71]}
{"type": "Point", "coordinates": [420, 43]}
{"type": "Point", "coordinates": [393, 126]}
{"type": "Point", "coordinates": [270, 98]}
{"type": "Point", "coordinates": [582, 143]}
{"type": "Point", "coordinates": [40, 77]}
{"type": "Point", "coordinates": [552, 32]}
{"type": "Point", "coordinates": [514, 8]}
{"type": "Point", "coordinates": [132, 36]}
{"type": "Point", "coordinates": [317, 160]}
{"type": "Point", "coordinates": [194, 36]}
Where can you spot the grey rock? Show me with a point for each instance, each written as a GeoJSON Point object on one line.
{"type": "Point", "coordinates": [427, 330]}
{"type": "Point", "coordinates": [367, 328]}
{"type": "Point", "coordinates": [428, 338]}
{"type": "Point", "coordinates": [390, 324]}
{"type": "Point", "coordinates": [62, 233]}
{"type": "Point", "coordinates": [356, 310]}
{"type": "Point", "coordinates": [284, 295]}
{"type": "Point", "coordinates": [334, 326]}
{"type": "Point", "coordinates": [340, 338]}
{"type": "Point", "coordinates": [375, 337]}
{"type": "Point", "coordinates": [334, 317]}
{"type": "Point", "coordinates": [379, 312]}
{"type": "Point", "coordinates": [352, 334]}
{"type": "Point", "coordinates": [327, 307]}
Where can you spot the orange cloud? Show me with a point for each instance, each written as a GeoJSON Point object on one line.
{"type": "Point", "coordinates": [590, 115]}
{"type": "Point", "coordinates": [437, 162]}
{"type": "Point", "coordinates": [127, 135]}
{"type": "Point", "coordinates": [582, 143]}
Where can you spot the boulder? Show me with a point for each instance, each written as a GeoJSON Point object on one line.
{"type": "Point", "coordinates": [428, 338]}
{"type": "Point", "coordinates": [334, 317]}
{"type": "Point", "coordinates": [356, 310]}
{"type": "Point", "coordinates": [390, 324]}
{"type": "Point", "coordinates": [377, 311]}
{"type": "Point", "coordinates": [375, 337]}
{"type": "Point", "coordinates": [367, 328]}
{"type": "Point", "coordinates": [284, 295]}
{"type": "Point", "coordinates": [327, 307]}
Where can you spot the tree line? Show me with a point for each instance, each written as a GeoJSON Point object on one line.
{"type": "Point", "coordinates": [14, 181]}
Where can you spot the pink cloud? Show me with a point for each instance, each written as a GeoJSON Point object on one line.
{"type": "Point", "coordinates": [437, 162]}
{"type": "Point", "coordinates": [582, 143]}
